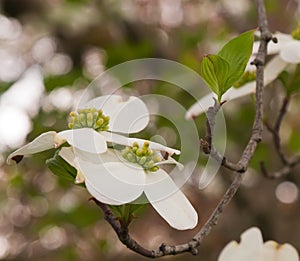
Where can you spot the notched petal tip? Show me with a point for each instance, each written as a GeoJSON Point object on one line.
{"type": "Point", "coordinates": [16, 159]}
{"type": "Point", "coordinates": [79, 178]}
{"type": "Point", "coordinates": [39, 144]}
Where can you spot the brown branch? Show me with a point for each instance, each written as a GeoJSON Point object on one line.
{"type": "Point", "coordinates": [288, 164]}
{"type": "Point", "coordinates": [259, 62]}
{"type": "Point", "coordinates": [285, 170]}
{"type": "Point", "coordinates": [212, 221]}
{"type": "Point", "coordinates": [164, 250]}
{"type": "Point", "coordinates": [276, 129]}
{"type": "Point", "coordinates": [122, 231]}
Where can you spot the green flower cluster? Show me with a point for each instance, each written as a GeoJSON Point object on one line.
{"type": "Point", "coordinates": [296, 33]}
{"type": "Point", "coordinates": [89, 118]}
{"type": "Point", "coordinates": [143, 156]}
{"type": "Point", "coordinates": [246, 77]}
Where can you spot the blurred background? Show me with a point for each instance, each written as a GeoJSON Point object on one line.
{"type": "Point", "coordinates": [51, 50]}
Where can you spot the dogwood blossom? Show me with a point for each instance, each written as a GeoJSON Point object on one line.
{"type": "Point", "coordinates": [252, 248]}
{"type": "Point", "coordinates": [93, 126]}
{"type": "Point", "coordinates": [288, 46]}
{"type": "Point", "coordinates": [286, 51]}
{"type": "Point", "coordinates": [117, 178]}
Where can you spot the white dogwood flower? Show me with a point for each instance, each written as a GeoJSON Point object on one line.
{"type": "Point", "coordinates": [252, 248]}
{"type": "Point", "coordinates": [286, 51]}
{"type": "Point", "coordinates": [117, 178]}
{"type": "Point", "coordinates": [93, 126]}
{"type": "Point", "coordinates": [288, 47]}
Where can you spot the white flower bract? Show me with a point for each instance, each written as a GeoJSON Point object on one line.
{"type": "Point", "coordinates": [108, 178]}
{"type": "Point", "coordinates": [286, 51]}
{"type": "Point", "coordinates": [114, 181]}
{"type": "Point", "coordinates": [125, 117]}
{"type": "Point", "coordinates": [252, 248]}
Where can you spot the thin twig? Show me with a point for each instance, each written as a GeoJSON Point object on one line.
{"type": "Point", "coordinates": [212, 221]}
{"type": "Point", "coordinates": [259, 62]}
{"type": "Point", "coordinates": [288, 164]}
{"type": "Point", "coordinates": [122, 231]}
{"type": "Point", "coordinates": [276, 129]}
{"type": "Point", "coordinates": [285, 170]}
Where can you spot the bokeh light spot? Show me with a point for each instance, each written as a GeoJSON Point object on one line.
{"type": "Point", "coordinates": [287, 192]}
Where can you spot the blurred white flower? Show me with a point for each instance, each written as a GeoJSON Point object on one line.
{"type": "Point", "coordinates": [287, 48]}
{"type": "Point", "coordinates": [286, 51]}
{"type": "Point", "coordinates": [252, 248]}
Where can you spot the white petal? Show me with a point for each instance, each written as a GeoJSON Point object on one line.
{"type": "Point", "coordinates": [71, 155]}
{"type": "Point", "coordinates": [100, 197]}
{"type": "Point", "coordinates": [252, 236]}
{"type": "Point", "coordinates": [43, 142]}
{"type": "Point", "coordinates": [283, 39]}
{"type": "Point", "coordinates": [109, 156]}
{"type": "Point", "coordinates": [234, 93]}
{"type": "Point", "coordinates": [270, 250]}
{"type": "Point", "coordinates": [85, 139]}
{"type": "Point", "coordinates": [130, 117]}
{"type": "Point", "coordinates": [201, 106]}
{"type": "Point", "coordinates": [106, 103]}
{"type": "Point", "coordinates": [122, 140]}
{"type": "Point", "coordinates": [273, 68]}
{"type": "Point", "coordinates": [170, 160]}
{"type": "Point", "coordinates": [251, 67]}
{"type": "Point", "coordinates": [287, 252]}
{"type": "Point", "coordinates": [114, 180]}
{"type": "Point", "coordinates": [125, 116]}
{"type": "Point", "coordinates": [249, 249]}
{"type": "Point", "coordinates": [207, 101]}
{"type": "Point", "coordinates": [251, 245]}
{"type": "Point", "coordinates": [291, 52]}
{"type": "Point", "coordinates": [255, 47]}
{"type": "Point", "coordinates": [169, 201]}
{"type": "Point", "coordinates": [68, 155]}
{"type": "Point", "coordinates": [275, 252]}
{"type": "Point", "coordinates": [229, 251]}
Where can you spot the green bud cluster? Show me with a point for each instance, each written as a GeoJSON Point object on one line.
{"type": "Point", "coordinates": [246, 77]}
{"type": "Point", "coordinates": [89, 118]}
{"type": "Point", "coordinates": [143, 156]}
{"type": "Point", "coordinates": [296, 33]}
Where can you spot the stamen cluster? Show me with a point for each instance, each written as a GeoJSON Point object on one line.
{"type": "Point", "coordinates": [246, 77]}
{"type": "Point", "coordinates": [296, 33]}
{"type": "Point", "coordinates": [89, 118]}
{"type": "Point", "coordinates": [143, 156]}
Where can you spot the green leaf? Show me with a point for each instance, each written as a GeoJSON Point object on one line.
{"type": "Point", "coordinates": [294, 86]}
{"type": "Point", "coordinates": [214, 70]}
{"type": "Point", "coordinates": [284, 77]}
{"type": "Point", "coordinates": [290, 81]}
{"type": "Point", "coordinates": [4, 86]}
{"type": "Point", "coordinates": [237, 53]}
{"type": "Point", "coordinates": [61, 168]}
